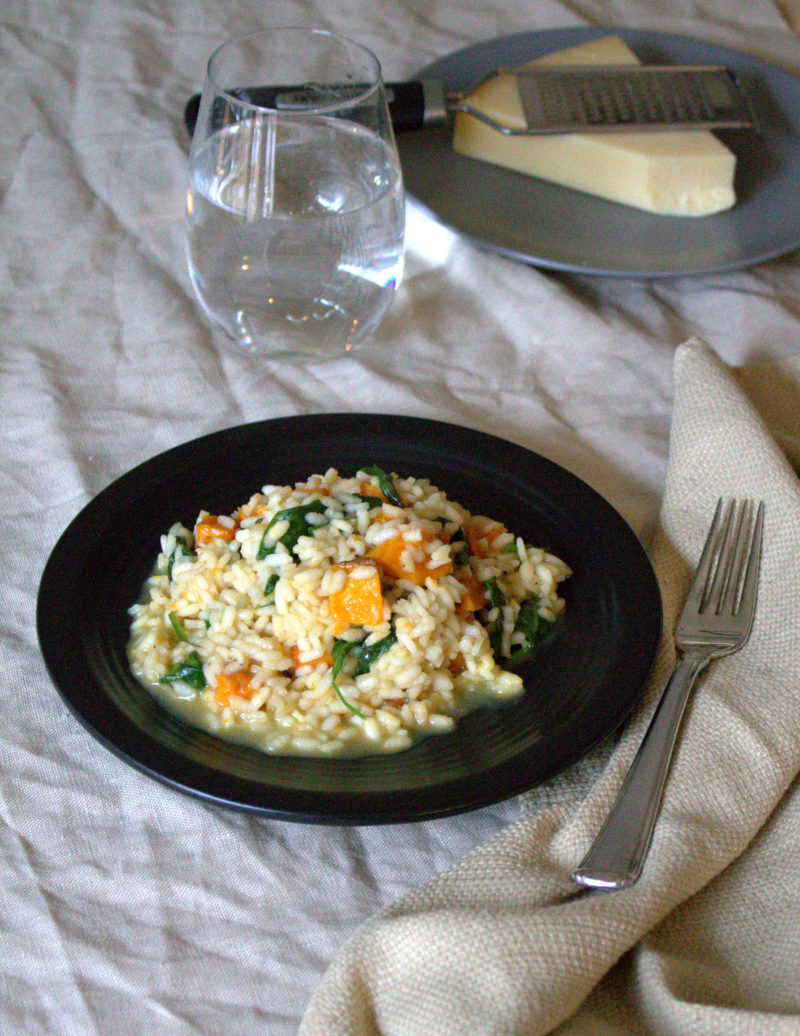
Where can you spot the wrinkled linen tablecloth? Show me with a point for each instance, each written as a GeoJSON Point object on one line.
{"type": "Point", "coordinates": [130, 908]}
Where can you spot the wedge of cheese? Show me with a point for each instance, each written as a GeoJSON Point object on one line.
{"type": "Point", "coordinates": [672, 173]}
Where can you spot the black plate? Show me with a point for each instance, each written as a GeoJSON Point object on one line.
{"type": "Point", "coordinates": [583, 684]}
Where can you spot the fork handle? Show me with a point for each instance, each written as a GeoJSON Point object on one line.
{"type": "Point", "coordinates": [617, 854]}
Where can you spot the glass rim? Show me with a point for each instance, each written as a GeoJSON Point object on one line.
{"type": "Point", "coordinates": [312, 109]}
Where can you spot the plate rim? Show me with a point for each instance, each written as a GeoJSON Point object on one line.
{"type": "Point", "coordinates": [213, 786]}
{"type": "Point", "coordinates": [573, 35]}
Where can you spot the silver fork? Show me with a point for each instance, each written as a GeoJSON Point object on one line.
{"type": "Point", "coordinates": [716, 620]}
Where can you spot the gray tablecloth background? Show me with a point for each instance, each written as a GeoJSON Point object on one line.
{"type": "Point", "coordinates": [126, 906]}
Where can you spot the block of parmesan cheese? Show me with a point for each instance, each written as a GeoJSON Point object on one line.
{"type": "Point", "coordinates": [674, 173]}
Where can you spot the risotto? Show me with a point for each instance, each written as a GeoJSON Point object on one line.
{"type": "Point", "coordinates": [341, 615]}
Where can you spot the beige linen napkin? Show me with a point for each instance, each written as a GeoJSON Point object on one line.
{"type": "Point", "coordinates": [504, 943]}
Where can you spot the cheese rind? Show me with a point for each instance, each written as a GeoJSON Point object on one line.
{"type": "Point", "coordinates": [675, 173]}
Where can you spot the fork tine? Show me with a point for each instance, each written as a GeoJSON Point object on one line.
{"type": "Point", "coordinates": [747, 599]}
{"type": "Point", "coordinates": [738, 552]}
{"type": "Point", "coordinates": [725, 555]}
{"type": "Point", "coordinates": [705, 566]}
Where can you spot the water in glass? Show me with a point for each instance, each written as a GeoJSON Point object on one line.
{"type": "Point", "coordinates": [295, 231]}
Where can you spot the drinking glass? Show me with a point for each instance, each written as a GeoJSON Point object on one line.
{"type": "Point", "coordinates": [295, 211]}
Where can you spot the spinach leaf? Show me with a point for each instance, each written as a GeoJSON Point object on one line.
{"type": "Point", "coordinates": [496, 600]}
{"type": "Point", "coordinates": [459, 547]}
{"type": "Point", "coordinates": [190, 671]}
{"type": "Point", "coordinates": [385, 484]}
{"type": "Point", "coordinates": [177, 625]}
{"type": "Point", "coordinates": [181, 550]}
{"type": "Point", "coordinates": [534, 629]}
{"type": "Point", "coordinates": [298, 526]}
{"type": "Point", "coordinates": [370, 501]}
{"type": "Point", "coordinates": [496, 596]}
{"type": "Point", "coordinates": [367, 656]}
{"type": "Point", "coordinates": [339, 652]}
{"type": "Point", "coordinates": [271, 583]}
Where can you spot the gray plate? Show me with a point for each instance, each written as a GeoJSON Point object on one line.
{"type": "Point", "coordinates": [561, 229]}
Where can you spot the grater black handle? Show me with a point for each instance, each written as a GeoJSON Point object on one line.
{"type": "Point", "coordinates": [412, 104]}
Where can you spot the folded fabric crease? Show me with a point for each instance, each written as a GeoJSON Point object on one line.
{"type": "Point", "coordinates": [542, 948]}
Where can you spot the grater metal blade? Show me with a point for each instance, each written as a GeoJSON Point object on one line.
{"type": "Point", "coordinates": [586, 98]}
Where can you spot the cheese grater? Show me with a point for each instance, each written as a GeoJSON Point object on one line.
{"type": "Point", "coordinates": [555, 99]}
{"type": "Point", "coordinates": [585, 98]}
